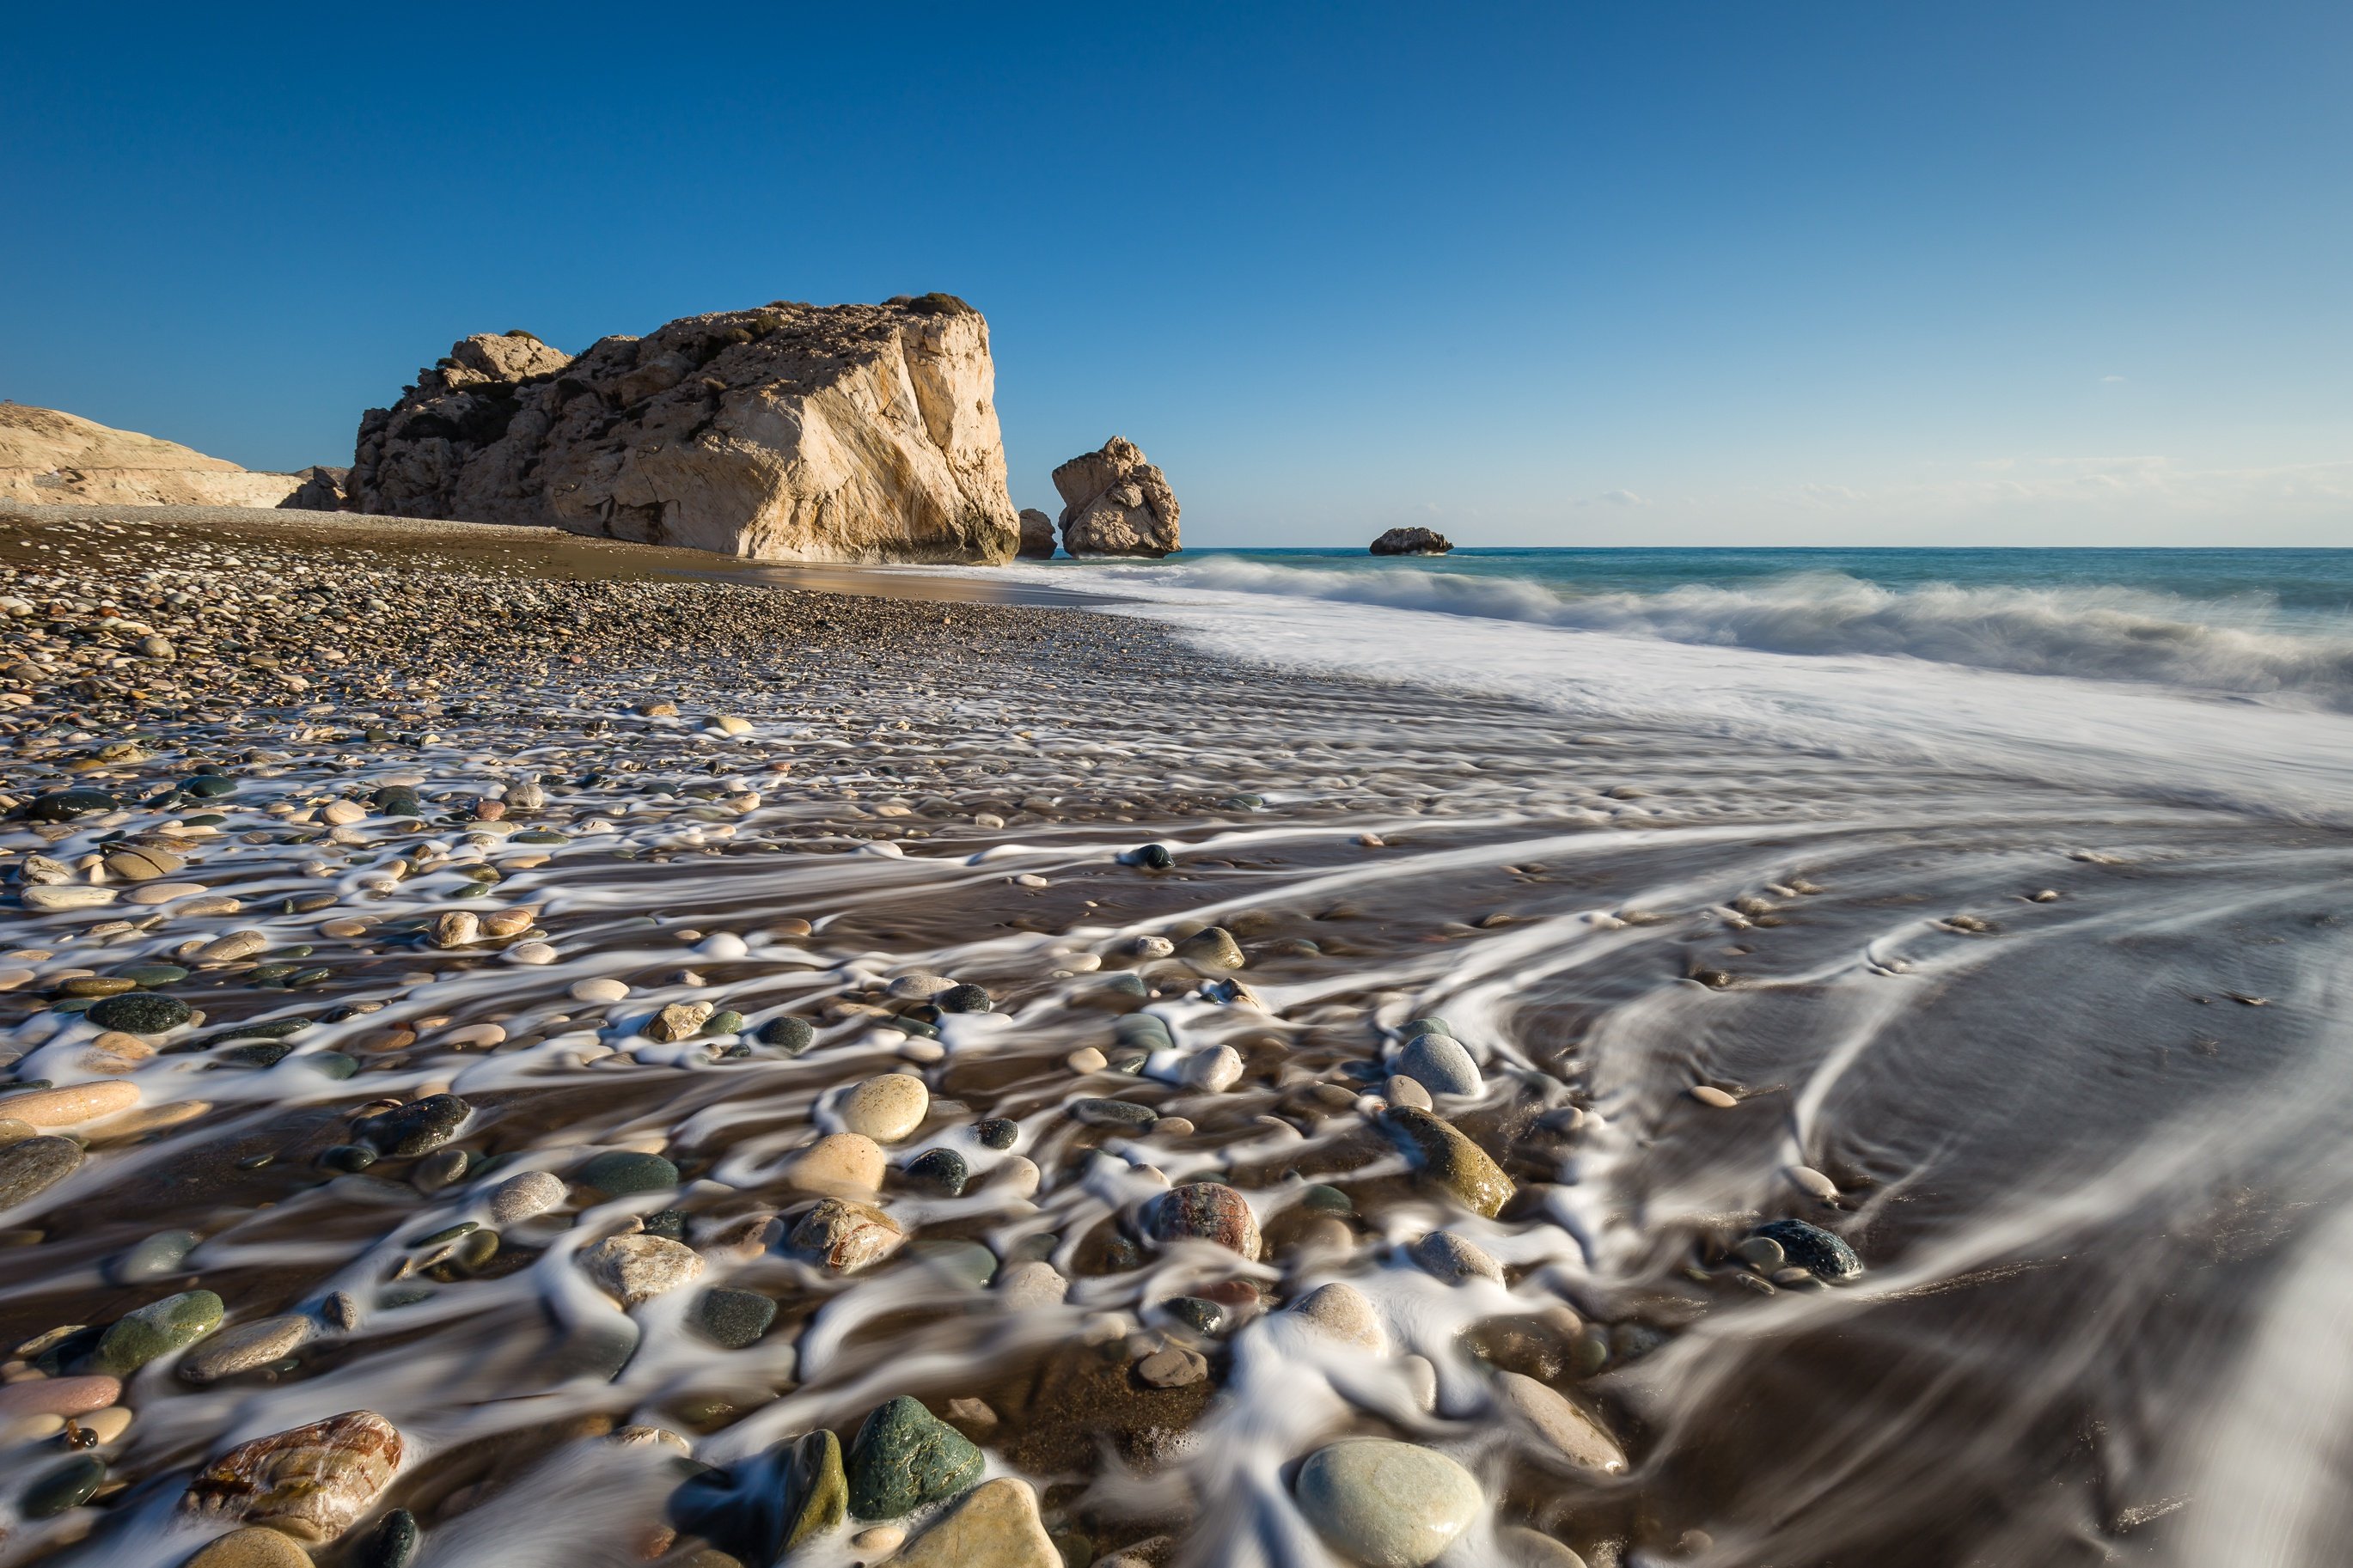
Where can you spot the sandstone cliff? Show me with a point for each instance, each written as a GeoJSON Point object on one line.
{"type": "Point", "coordinates": [787, 433]}
{"type": "Point", "coordinates": [1116, 503]}
{"type": "Point", "coordinates": [46, 456]}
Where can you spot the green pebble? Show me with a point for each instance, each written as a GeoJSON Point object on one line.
{"type": "Point", "coordinates": [905, 1457]}
{"type": "Point", "coordinates": [622, 1172]}
{"type": "Point", "coordinates": [156, 1329]}
{"type": "Point", "coordinates": [1322, 1199]}
{"type": "Point", "coordinates": [153, 974]}
{"type": "Point", "coordinates": [735, 1319]}
{"type": "Point", "coordinates": [139, 1013]}
{"type": "Point", "coordinates": [727, 1023]}
{"type": "Point", "coordinates": [69, 1486]}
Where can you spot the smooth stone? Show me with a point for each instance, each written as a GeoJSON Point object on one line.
{"type": "Point", "coordinates": [1402, 1090]}
{"type": "Point", "coordinates": [64, 897]}
{"type": "Point", "coordinates": [142, 863]}
{"type": "Point", "coordinates": [14, 1131]}
{"type": "Point", "coordinates": [440, 1169]}
{"type": "Point", "coordinates": [312, 1482]}
{"type": "Point", "coordinates": [1210, 1211]}
{"type": "Point", "coordinates": [1708, 1094]}
{"type": "Point", "coordinates": [70, 1103]}
{"type": "Point", "coordinates": [996, 1526]}
{"type": "Point", "coordinates": [65, 805]}
{"type": "Point", "coordinates": [63, 1487]}
{"type": "Point", "coordinates": [964, 999]}
{"type": "Point", "coordinates": [156, 1329]}
{"type": "Point", "coordinates": [886, 1108]}
{"type": "Point", "coordinates": [1214, 1070]}
{"type": "Point", "coordinates": [1144, 1029]}
{"type": "Point", "coordinates": [1761, 1253]}
{"type": "Point", "coordinates": [391, 1544]}
{"type": "Point", "coordinates": [879, 1541]}
{"type": "Point", "coordinates": [1526, 1548]}
{"type": "Point", "coordinates": [904, 1458]}
{"type": "Point", "coordinates": [1816, 1250]}
{"type": "Point", "coordinates": [1086, 1059]}
{"type": "Point", "coordinates": [525, 1197]}
{"type": "Point", "coordinates": [1031, 1282]}
{"type": "Point", "coordinates": [679, 1021]}
{"type": "Point", "coordinates": [57, 1397]}
{"type": "Point", "coordinates": [1439, 1065]}
{"type": "Point", "coordinates": [1346, 1313]}
{"type": "Point", "coordinates": [139, 1013]}
{"type": "Point", "coordinates": [1212, 947]}
{"type": "Point", "coordinates": [735, 1319]}
{"type": "Point", "coordinates": [1450, 1257]}
{"type": "Point", "coordinates": [106, 1426]}
{"type": "Point", "coordinates": [1811, 1182]}
{"type": "Point", "coordinates": [638, 1267]}
{"type": "Point", "coordinates": [156, 1257]}
{"type": "Point", "coordinates": [1321, 1198]}
{"type": "Point", "coordinates": [772, 1504]}
{"type": "Point", "coordinates": [844, 1236]}
{"type": "Point", "coordinates": [996, 1132]}
{"type": "Point", "coordinates": [1019, 1175]}
{"type": "Point", "coordinates": [839, 1165]}
{"type": "Point", "coordinates": [1452, 1160]}
{"type": "Point", "coordinates": [148, 894]}
{"type": "Point", "coordinates": [1173, 1366]}
{"type": "Point", "coordinates": [245, 1347]}
{"type": "Point", "coordinates": [920, 986]}
{"type": "Point", "coordinates": [599, 990]}
{"type": "Point", "coordinates": [1414, 1027]}
{"type": "Point", "coordinates": [36, 1164]}
{"type": "Point", "coordinates": [620, 1171]}
{"type": "Point", "coordinates": [1386, 1504]}
{"type": "Point", "coordinates": [407, 1132]}
{"type": "Point", "coordinates": [941, 1170]}
{"type": "Point", "coordinates": [1118, 1113]}
{"type": "Point", "coordinates": [789, 1035]}
{"type": "Point", "coordinates": [1569, 1432]}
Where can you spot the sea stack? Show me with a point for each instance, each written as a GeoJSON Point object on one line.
{"type": "Point", "coordinates": [1412, 542]}
{"type": "Point", "coordinates": [1037, 535]}
{"type": "Point", "coordinates": [1116, 503]}
{"type": "Point", "coordinates": [791, 432]}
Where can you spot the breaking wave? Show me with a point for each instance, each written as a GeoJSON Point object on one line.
{"type": "Point", "coordinates": [2238, 645]}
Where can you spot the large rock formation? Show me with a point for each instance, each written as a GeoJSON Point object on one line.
{"type": "Point", "coordinates": [46, 456]}
{"type": "Point", "coordinates": [787, 433]}
{"type": "Point", "coordinates": [1412, 542]}
{"type": "Point", "coordinates": [1037, 535]}
{"type": "Point", "coordinates": [1116, 503]}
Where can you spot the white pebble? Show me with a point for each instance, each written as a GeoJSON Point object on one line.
{"type": "Point", "coordinates": [599, 990]}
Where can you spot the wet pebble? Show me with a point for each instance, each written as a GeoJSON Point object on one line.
{"type": "Point", "coordinates": [997, 1525]}
{"type": "Point", "coordinates": [1389, 1504]}
{"type": "Point", "coordinates": [139, 1013]}
{"type": "Point", "coordinates": [247, 1347]}
{"type": "Point", "coordinates": [840, 1164]}
{"type": "Point", "coordinates": [155, 1257]}
{"type": "Point", "coordinates": [1812, 1249]}
{"type": "Point", "coordinates": [1208, 1211]}
{"type": "Point", "coordinates": [904, 1458]}
{"type": "Point", "coordinates": [1452, 1160]}
{"type": "Point", "coordinates": [311, 1482]}
{"type": "Point", "coordinates": [735, 1319]}
{"type": "Point", "coordinates": [844, 1237]}
{"type": "Point", "coordinates": [1450, 1257]}
{"type": "Point", "coordinates": [1565, 1432]}
{"type": "Point", "coordinates": [620, 1171]}
{"type": "Point", "coordinates": [1342, 1312]}
{"type": "Point", "coordinates": [525, 1197]}
{"type": "Point", "coordinates": [419, 1127]}
{"type": "Point", "coordinates": [638, 1267]}
{"type": "Point", "coordinates": [1440, 1064]}
{"type": "Point", "coordinates": [1120, 1113]}
{"type": "Point", "coordinates": [886, 1108]}
{"type": "Point", "coordinates": [942, 1171]}
{"type": "Point", "coordinates": [156, 1329]}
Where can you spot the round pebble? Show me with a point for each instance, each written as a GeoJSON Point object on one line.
{"type": "Point", "coordinates": [1386, 1504]}
{"type": "Point", "coordinates": [73, 1102]}
{"type": "Point", "coordinates": [599, 990]}
{"type": "Point", "coordinates": [885, 1108]}
{"type": "Point", "coordinates": [840, 1164]}
{"type": "Point", "coordinates": [525, 1197]}
{"type": "Point", "coordinates": [624, 1170]}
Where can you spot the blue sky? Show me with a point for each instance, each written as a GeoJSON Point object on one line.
{"type": "Point", "coordinates": [1821, 273]}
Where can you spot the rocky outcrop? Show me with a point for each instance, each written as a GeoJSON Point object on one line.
{"type": "Point", "coordinates": [1116, 503]}
{"type": "Point", "coordinates": [786, 433]}
{"type": "Point", "coordinates": [1037, 535]}
{"type": "Point", "coordinates": [1412, 542]}
{"type": "Point", "coordinates": [321, 490]}
{"type": "Point", "coordinates": [49, 457]}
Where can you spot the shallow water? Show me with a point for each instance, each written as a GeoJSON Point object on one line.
{"type": "Point", "coordinates": [2086, 1144]}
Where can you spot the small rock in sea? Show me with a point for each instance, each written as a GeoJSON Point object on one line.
{"type": "Point", "coordinates": [964, 999]}
{"type": "Point", "coordinates": [1761, 1253]}
{"type": "Point", "coordinates": [525, 1196]}
{"type": "Point", "coordinates": [789, 1035]}
{"type": "Point", "coordinates": [1452, 1160]}
{"type": "Point", "coordinates": [252, 1547]}
{"type": "Point", "coordinates": [1440, 1064]}
{"type": "Point", "coordinates": [1708, 1094]}
{"type": "Point", "coordinates": [1344, 1313]}
{"type": "Point", "coordinates": [638, 1267]}
{"type": "Point", "coordinates": [599, 989]}
{"type": "Point", "coordinates": [883, 1539]}
{"type": "Point", "coordinates": [156, 1329]}
{"type": "Point", "coordinates": [440, 1169]}
{"type": "Point", "coordinates": [1172, 1366]}
{"type": "Point", "coordinates": [1210, 1211]}
{"type": "Point", "coordinates": [312, 1482]}
{"type": "Point", "coordinates": [1151, 857]}
{"type": "Point", "coordinates": [455, 928]}
{"type": "Point", "coordinates": [65, 805]}
{"type": "Point", "coordinates": [1402, 1090]}
{"type": "Point", "coordinates": [620, 1171]}
{"type": "Point", "coordinates": [1213, 1070]}
{"type": "Point", "coordinates": [73, 1102]}
{"type": "Point", "coordinates": [1387, 1503]}
{"type": "Point", "coordinates": [770, 1506]}
{"type": "Point", "coordinates": [1086, 1059]}
{"type": "Point", "coordinates": [1567, 1433]}
{"type": "Point", "coordinates": [1212, 947]}
{"type": "Point", "coordinates": [391, 1544]}
{"type": "Point", "coordinates": [1448, 1256]}
{"type": "Point", "coordinates": [1816, 1250]}
{"type": "Point", "coordinates": [140, 863]}
{"type": "Point", "coordinates": [75, 1396]}
{"type": "Point", "coordinates": [1118, 1114]}
{"type": "Point", "coordinates": [62, 1487]}
{"type": "Point", "coordinates": [839, 1165]}
{"type": "Point", "coordinates": [885, 1108]}
{"type": "Point", "coordinates": [905, 1457]}
{"type": "Point", "coordinates": [1413, 1029]}
{"type": "Point", "coordinates": [679, 1021]}
{"type": "Point", "coordinates": [65, 898]}
{"type": "Point", "coordinates": [735, 1319]}
{"type": "Point", "coordinates": [844, 1237]}
{"type": "Point", "coordinates": [1031, 1282]}
{"type": "Point", "coordinates": [941, 1170]}
{"type": "Point", "coordinates": [139, 1013]}
{"type": "Point", "coordinates": [247, 1347]}
{"type": "Point", "coordinates": [1526, 1548]}
{"type": "Point", "coordinates": [996, 1132]}
{"type": "Point", "coordinates": [1811, 1182]}
{"type": "Point", "coordinates": [920, 986]}
{"type": "Point", "coordinates": [996, 1526]}
{"type": "Point", "coordinates": [407, 1132]}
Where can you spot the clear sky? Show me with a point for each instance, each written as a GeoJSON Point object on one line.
{"type": "Point", "coordinates": [1571, 274]}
